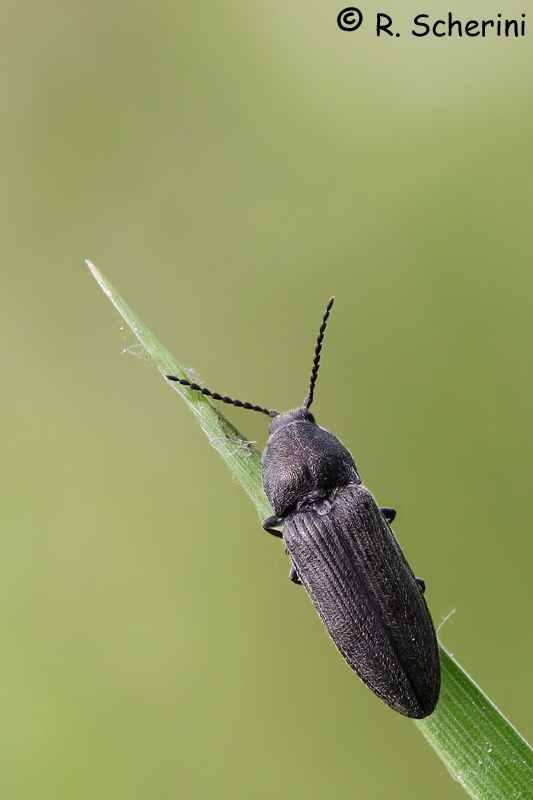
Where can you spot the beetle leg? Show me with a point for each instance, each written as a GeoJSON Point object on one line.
{"type": "Point", "coordinates": [270, 524]}
{"type": "Point", "coordinates": [294, 577]}
{"type": "Point", "coordinates": [388, 513]}
{"type": "Point", "coordinates": [421, 582]}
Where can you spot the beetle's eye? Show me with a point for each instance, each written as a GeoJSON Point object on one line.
{"type": "Point", "coordinates": [309, 417]}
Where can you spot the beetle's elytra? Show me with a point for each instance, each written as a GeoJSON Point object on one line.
{"type": "Point", "coordinates": [344, 552]}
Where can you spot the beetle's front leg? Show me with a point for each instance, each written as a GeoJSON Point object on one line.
{"type": "Point", "coordinates": [270, 524]}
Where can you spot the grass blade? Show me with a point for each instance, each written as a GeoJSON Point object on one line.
{"type": "Point", "coordinates": [240, 455]}
{"type": "Point", "coordinates": [478, 745]}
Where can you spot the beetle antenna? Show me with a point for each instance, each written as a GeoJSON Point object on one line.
{"type": "Point", "coordinates": [316, 361]}
{"type": "Point", "coordinates": [217, 396]}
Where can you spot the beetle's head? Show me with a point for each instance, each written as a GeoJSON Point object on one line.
{"type": "Point", "coordinates": [288, 417]}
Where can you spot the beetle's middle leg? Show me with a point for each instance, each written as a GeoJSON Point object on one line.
{"type": "Point", "coordinates": [294, 577]}
{"type": "Point", "coordinates": [270, 524]}
{"type": "Point", "coordinates": [389, 514]}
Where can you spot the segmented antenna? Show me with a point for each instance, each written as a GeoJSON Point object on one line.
{"type": "Point", "coordinates": [316, 361]}
{"type": "Point", "coordinates": [217, 396]}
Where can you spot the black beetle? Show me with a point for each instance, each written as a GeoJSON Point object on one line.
{"type": "Point", "coordinates": [344, 552]}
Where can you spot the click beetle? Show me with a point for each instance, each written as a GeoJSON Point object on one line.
{"type": "Point", "coordinates": [346, 556]}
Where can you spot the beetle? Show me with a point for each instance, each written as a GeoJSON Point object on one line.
{"type": "Point", "coordinates": [346, 556]}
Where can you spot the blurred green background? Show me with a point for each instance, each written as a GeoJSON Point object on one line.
{"type": "Point", "coordinates": [229, 166]}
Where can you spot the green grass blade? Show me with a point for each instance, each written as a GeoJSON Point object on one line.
{"type": "Point", "coordinates": [240, 455]}
{"type": "Point", "coordinates": [478, 745]}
